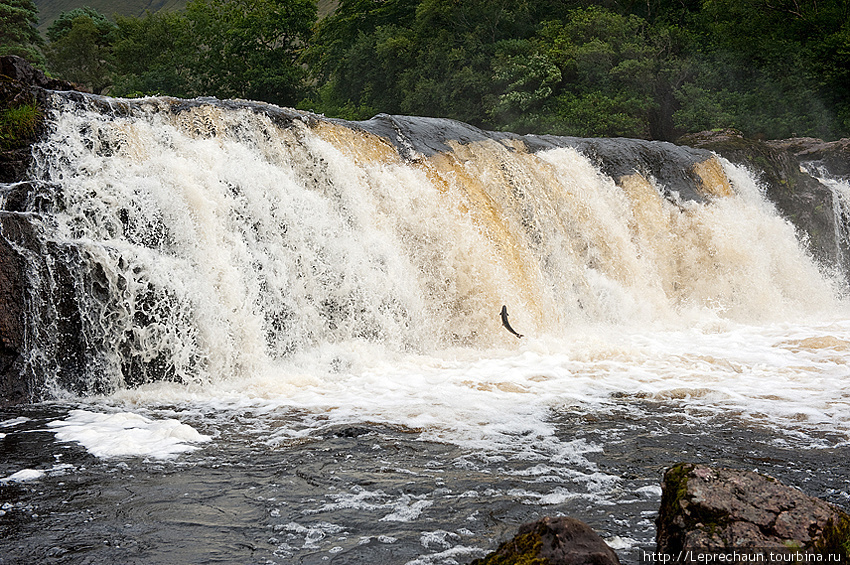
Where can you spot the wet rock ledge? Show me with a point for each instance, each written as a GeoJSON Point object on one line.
{"type": "Point", "coordinates": [791, 172]}
{"type": "Point", "coordinates": [707, 515]}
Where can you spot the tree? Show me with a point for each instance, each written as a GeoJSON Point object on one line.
{"type": "Point", "coordinates": [18, 33]}
{"type": "Point", "coordinates": [80, 48]}
{"type": "Point", "coordinates": [250, 49]}
{"type": "Point", "coordinates": [776, 68]}
{"type": "Point", "coordinates": [592, 73]}
{"type": "Point", "coordinates": [224, 48]}
{"type": "Point", "coordinates": [153, 55]}
{"type": "Point", "coordinates": [430, 57]}
{"type": "Point", "coordinates": [357, 55]}
{"type": "Point", "coordinates": [64, 23]}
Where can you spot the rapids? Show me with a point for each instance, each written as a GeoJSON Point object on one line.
{"type": "Point", "coordinates": [284, 340]}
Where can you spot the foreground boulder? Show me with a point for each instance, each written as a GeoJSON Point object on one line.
{"type": "Point", "coordinates": [707, 510]}
{"type": "Point", "coordinates": [553, 541]}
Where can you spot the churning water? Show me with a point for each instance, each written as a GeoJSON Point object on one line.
{"type": "Point", "coordinates": [293, 351]}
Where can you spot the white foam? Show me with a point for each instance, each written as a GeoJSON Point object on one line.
{"type": "Point", "coordinates": [499, 402]}
{"type": "Point", "coordinates": [407, 509]}
{"type": "Point", "coordinates": [439, 538]}
{"type": "Point", "coordinates": [14, 422]}
{"type": "Point", "coordinates": [617, 542]}
{"type": "Point", "coordinates": [455, 554]}
{"type": "Point", "coordinates": [404, 508]}
{"type": "Point", "coordinates": [649, 491]}
{"type": "Point", "coordinates": [313, 534]}
{"type": "Point", "coordinates": [296, 276]}
{"type": "Point", "coordinates": [23, 476]}
{"type": "Point", "coordinates": [126, 434]}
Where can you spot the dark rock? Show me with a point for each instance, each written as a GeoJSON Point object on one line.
{"type": "Point", "coordinates": [46, 313]}
{"type": "Point", "coordinates": [671, 165]}
{"type": "Point", "coordinates": [22, 84]}
{"type": "Point", "coordinates": [17, 69]}
{"type": "Point", "coordinates": [798, 196]}
{"type": "Point", "coordinates": [708, 510]}
{"type": "Point", "coordinates": [835, 155]}
{"type": "Point", "coordinates": [553, 541]}
{"type": "Point", "coordinates": [416, 137]}
{"type": "Point", "coordinates": [14, 387]}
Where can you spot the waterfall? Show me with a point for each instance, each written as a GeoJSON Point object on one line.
{"type": "Point", "coordinates": [839, 188]}
{"type": "Point", "coordinates": [204, 240]}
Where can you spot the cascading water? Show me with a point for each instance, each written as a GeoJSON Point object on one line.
{"type": "Point", "coordinates": [214, 243]}
{"type": "Point", "coordinates": [287, 283]}
{"type": "Point", "coordinates": [840, 190]}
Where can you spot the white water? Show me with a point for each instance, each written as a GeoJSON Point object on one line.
{"type": "Point", "coordinates": [276, 270]}
{"type": "Point", "coordinates": [840, 189]}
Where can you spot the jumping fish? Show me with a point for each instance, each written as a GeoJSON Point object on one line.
{"type": "Point", "coordinates": [504, 316]}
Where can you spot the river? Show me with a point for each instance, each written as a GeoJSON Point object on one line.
{"type": "Point", "coordinates": [285, 345]}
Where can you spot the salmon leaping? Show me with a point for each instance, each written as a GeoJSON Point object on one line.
{"type": "Point", "coordinates": [504, 315]}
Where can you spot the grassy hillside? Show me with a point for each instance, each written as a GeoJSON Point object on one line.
{"type": "Point", "coordinates": [49, 9]}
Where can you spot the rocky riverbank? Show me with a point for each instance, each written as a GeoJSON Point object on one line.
{"type": "Point", "coordinates": [707, 514]}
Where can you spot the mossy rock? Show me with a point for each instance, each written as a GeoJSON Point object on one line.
{"type": "Point", "coordinates": [835, 539]}
{"type": "Point", "coordinates": [706, 509]}
{"type": "Point", "coordinates": [553, 541]}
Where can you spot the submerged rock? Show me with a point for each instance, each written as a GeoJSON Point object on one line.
{"type": "Point", "coordinates": [707, 510]}
{"type": "Point", "coordinates": [553, 541]}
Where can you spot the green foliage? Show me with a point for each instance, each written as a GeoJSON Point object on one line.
{"type": "Point", "coordinates": [773, 68]}
{"type": "Point", "coordinates": [49, 10]}
{"type": "Point", "coordinates": [527, 80]}
{"type": "Point", "coordinates": [223, 48]}
{"type": "Point", "coordinates": [64, 23]}
{"type": "Point", "coordinates": [80, 48]}
{"type": "Point", "coordinates": [653, 69]}
{"type": "Point", "coordinates": [428, 58]}
{"type": "Point", "coordinates": [595, 113]}
{"type": "Point", "coordinates": [18, 33]}
{"type": "Point", "coordinates": [151, 55]}
{"type": "Point", "coordinates": [595, 72]}
{"type": "Point", "coordinates": [250, 48]}
{"type": "Point", "coordinates": [18, 125]}
{"type": "Point", "coordinates": [637, 68]}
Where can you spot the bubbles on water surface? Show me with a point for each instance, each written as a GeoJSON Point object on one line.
{"type": "Point", "coordinates": [327, 313]}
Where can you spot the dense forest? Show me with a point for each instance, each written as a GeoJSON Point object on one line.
{"type": "Point", "coordinates": [651, 69]}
